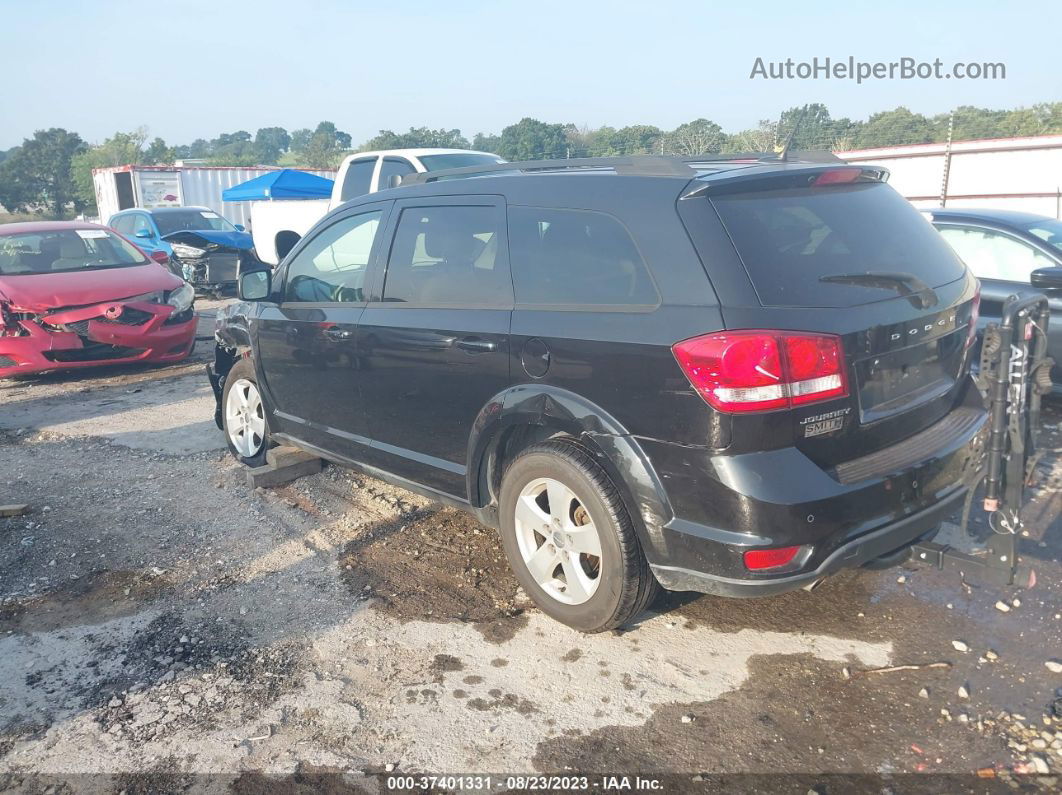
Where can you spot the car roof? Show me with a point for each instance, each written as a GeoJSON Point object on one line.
{"type": "Point", "coordinates": [34, 227]}
{"type": "Point", "coordinates": [421, 152]}
{"type": "Point", "coordinates": [1007, 217]}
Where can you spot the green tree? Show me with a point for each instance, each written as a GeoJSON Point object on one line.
{"type": "Point", "coordinates": [326, 147]}
{"type": "Point", "coordinates": [300, 139]}
{"type": "Point", "coordinates": [158, 153]}
{"type": "Point", "coordinates": [696, 137]}
{"type": "Point", "coordinates": [121, 149]}
{"type": "Point", "coordinates": [530, 139]}
{"type": "Point", "coordinates": [38, 176]}
{"type": "Point", "coordinates": [894, 128]}
{"type": "Point", "coordinates": [417, 137]}
{"type": "Point", "coordinates": [269, 142]}
{"type": "Point", "coordinates": [486, 142]}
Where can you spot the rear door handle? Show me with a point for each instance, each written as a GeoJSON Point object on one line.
{"type": "Point", "coordinates": [477, 345]}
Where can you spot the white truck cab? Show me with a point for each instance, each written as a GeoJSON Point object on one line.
{"type": "Point", "coordinates": [277, 226]}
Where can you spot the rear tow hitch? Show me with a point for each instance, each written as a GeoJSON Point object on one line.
{"type": "Point", "coordinates": [1014, 377]}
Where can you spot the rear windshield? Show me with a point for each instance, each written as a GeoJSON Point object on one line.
{"type": "Point", "coordinates": [190, 221]}
{"type": "Point", "coordinates": [838, 245]}
{"type": "Point", "coordinates": [65, 250]}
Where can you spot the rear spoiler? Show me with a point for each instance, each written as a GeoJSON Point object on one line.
{"type": "Point", "coordinates": [783, 176]}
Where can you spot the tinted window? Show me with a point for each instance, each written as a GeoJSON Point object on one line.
{"type": "Point", "coordinates": [358, 178]}
{"type": "Point", "coordinates": [823, 246]}
{"type": "Point", "coordinates": [575, 257]}
{"type": "Point", "coordinates": [1049, 231]}
{"type": "Point", "coordinates": [448, 255]}
{"type": "Point", "coordinates": [65, 250]}
{"type": "Point", "coordinates": [123, 224]}
{"type": "Point", "coordinates": [331, 267]}
{"type": "Point", "coordinates": [994, 255]}
{"type": "Point", "coordinates": [140, 221]}
{"type": "Point", "coordinates": [391, 167]}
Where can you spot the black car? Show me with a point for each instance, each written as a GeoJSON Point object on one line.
{"type": "Point", "coordinates": [1011, 253]}
{"type": "Point", "coordinates": [732, 377]}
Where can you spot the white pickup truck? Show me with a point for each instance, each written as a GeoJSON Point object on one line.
{"type": "Point", "coordinates": [277, 226]}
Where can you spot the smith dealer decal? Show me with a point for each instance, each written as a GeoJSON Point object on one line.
{"type": "Point", "coordinates": [824, 423]}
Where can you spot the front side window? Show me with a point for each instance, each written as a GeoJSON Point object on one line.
{"type": "Point", "coordinates": [1048, 230]}
{"type": "Point", "coordinates": [65, 250]}
{"type": "Point", "coordinates": [140, 221]}
{"type": "Point", "coordinates": [393, 167]}
{"type": "Point", "coordinates": [358, 178]}
{"type": "Point", "coordinates": [331, 267]}
{"type": "Point", "coordinates": [994, 255]}
{"type": "Point", "coordinates": [448, 255]}
{"type": "Point", "coordinates": [122, 224]}
{"type": "Point", "coordinates": [576, 257]}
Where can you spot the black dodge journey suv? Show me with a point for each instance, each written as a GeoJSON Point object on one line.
{"type": "Point", "coordinates": [733, 376]}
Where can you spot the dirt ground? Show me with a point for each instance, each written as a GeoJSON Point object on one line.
{"type": "Point", "coordinates": [163, 628]}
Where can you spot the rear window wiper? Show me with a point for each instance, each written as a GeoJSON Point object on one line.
{"type": "Point", "coordinates": [920, 294]}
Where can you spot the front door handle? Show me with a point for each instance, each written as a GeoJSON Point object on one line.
{"type": "Point", "coordinates": [338, 333]}
{"type": "Point", "coordinates": [477, 345]}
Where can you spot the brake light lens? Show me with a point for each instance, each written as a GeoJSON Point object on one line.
{"type": "Point", "coordinates": [838, 176]}
{"type": "Point", "coordinates": [160, 256]}
{"type": "Point", "coordinates": [975, 314]}
{"type": "Point", "coordinates": [760, 559]}
{"type": "Point", "coordinates": [742, 371]}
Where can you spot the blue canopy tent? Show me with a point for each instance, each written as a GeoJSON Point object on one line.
{"type": "Point", "coordinates": [285, 183]}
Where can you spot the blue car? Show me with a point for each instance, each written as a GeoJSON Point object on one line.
{"type": "Point", "coordinates": [195, 243]}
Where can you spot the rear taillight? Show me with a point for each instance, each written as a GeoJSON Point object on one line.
{"type": "Point", "coordinates": [760, 559]}
{"type": "Point", "coordinates": [975, 314]}
{"type": "Point", "coordinates": [763, 370]}
{"type": "Point", "coordinates": [161, 257]}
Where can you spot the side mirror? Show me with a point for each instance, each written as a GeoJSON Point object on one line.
{"type": "Point", "coordinates": [143, 234]}
{"type": "Point", "coordinates": [239, 227]}
{"type": "Point", "coordinates": [394, 180]}
{"type": "Point", "coordinates": [254, 285]}
{"type": "Point", "coordinates": [1047, 278]}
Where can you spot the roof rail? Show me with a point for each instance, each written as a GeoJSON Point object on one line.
{"type": "Point", "coordinates": [634, 165]}
{"type": "Point", "coordinates": [639, 165]}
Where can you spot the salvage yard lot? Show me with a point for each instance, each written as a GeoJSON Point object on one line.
{"type": "Point", "coordinates": [160, 619]}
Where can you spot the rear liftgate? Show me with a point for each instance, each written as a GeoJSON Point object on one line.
{"type": "Point", "coordinates": [1015, 375]}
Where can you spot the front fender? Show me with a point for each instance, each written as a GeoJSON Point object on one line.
{"type": "Point", "coordinates": [558, 411]}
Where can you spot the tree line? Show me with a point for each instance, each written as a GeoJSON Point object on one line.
{"type": "Point", "coordinates": [51, 173]}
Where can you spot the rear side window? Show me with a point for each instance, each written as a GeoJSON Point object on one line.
{"type": "Point", "coordinates": [576, 257]}
{"type": "Point", "coordinates": [835, 245]}
{"type": "Point", "coordinates": [359, 177]}
{"type": "Point", "coordinates": [448, 255]}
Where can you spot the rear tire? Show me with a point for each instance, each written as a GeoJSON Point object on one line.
{"type": "Point", "coordinates": [570, 540]}
{"type": "Point", "coordinates": [243, 415]}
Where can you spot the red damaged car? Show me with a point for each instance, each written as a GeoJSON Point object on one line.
{"type": "Point", "coordinates": [76, 294]}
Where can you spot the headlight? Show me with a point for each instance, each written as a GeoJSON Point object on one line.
{"type": "Point", "coordinates": [188, 252]}
{"type": "Point", "coordinates": [181, 298]}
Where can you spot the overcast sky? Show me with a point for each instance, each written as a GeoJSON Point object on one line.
{"type": "Point", "coordinates": [188, 69]}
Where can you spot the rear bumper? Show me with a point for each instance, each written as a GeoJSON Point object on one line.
{"type": "Point", "coordinates": [722, 506]}
{"type": "Point", "coordinates": [856, 552]}
{"type": "Point", "coordinates": [88, 338]}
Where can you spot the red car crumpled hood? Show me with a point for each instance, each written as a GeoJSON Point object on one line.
{"type": "Point", "coordinates": [42, 291]}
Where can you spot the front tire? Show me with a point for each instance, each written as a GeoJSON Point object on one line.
{"type": "Point", "coordinates": [570, 540]}
{"type": "Point", "coordinates": [243, 415]}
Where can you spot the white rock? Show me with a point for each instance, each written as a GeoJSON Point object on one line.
{"type": "Point", "coordinates": [1054, 666]}
{"type": "Point", "coordinates": [958, 645]}
{"type": "Point", "coordinates": [964, 691]}
{"type": "Point", "coordinates": [687, 719]}
{"type": "Point", "coordinates": [923, 693]}
{"type": "Point", "coordinates": [1002, 607]}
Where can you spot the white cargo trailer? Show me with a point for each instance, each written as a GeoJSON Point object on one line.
{"type": "Point", "coordinates": [1002, 173]}
{"type": "Point", "coordinates": [123, 187]}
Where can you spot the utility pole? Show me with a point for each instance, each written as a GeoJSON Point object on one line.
{"type": "Point", "coordinates": [947, 161]}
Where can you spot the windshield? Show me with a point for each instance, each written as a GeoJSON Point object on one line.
{"type": "Point", "coordinates": [458, 160]}
{"type": "Point", "coordinates": [65, 250]}
{"type": "Point", "coordinates": [1049, 231]}
{"type": "Point", "coordinates": [835, 246]}
{"type": "Point", "coordinates": [190, 220]}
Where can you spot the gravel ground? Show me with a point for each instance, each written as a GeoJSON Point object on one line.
{"type": "Point", "coordinates": [164, 628]}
